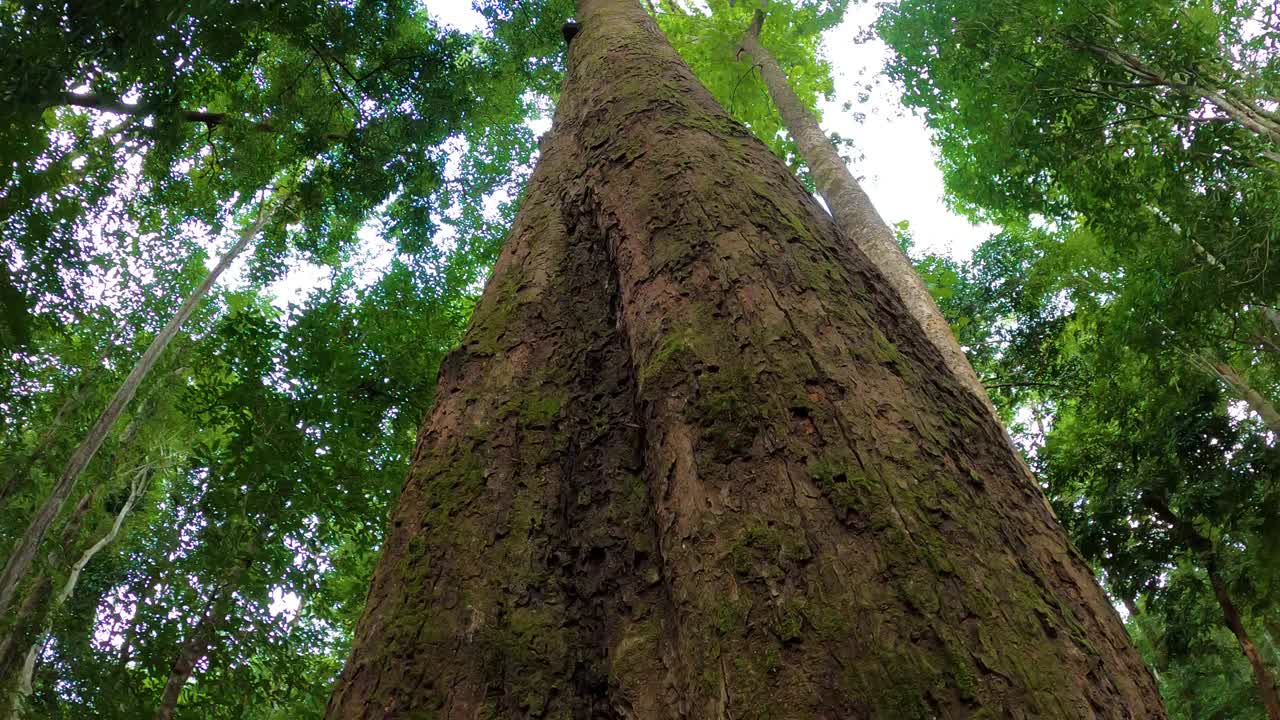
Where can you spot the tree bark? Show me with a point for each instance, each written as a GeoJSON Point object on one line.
{"type": "Point", "coordinates": [1240, 386]}
{"type": "Point", "coordinates": [19, 561]}
{"type": "Point", "coordinates": [855, 214]}
{"type": "Point", "coordinates": [694, 459]}
{"type": "Point", "coordinates": [1261, 674]}
{"type": "Point", "coordinates": [137, 485]}
{"type": "Point", "coordinates": [192, 651]}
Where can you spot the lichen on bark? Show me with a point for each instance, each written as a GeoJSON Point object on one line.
{"type": "Point", "coordinates": [709, 467]}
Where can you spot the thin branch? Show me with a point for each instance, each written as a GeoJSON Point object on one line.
{"type": "Point", "coordinates": [209, 119]}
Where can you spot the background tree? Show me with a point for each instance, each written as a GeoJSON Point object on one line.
{"type": "Point", "coordinates": [1123, 317]}
{"type": "Point", "coordinates": [377, 105]}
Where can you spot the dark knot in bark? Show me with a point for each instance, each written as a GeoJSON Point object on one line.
{"type": "Point", "coordinates": [569, 30]}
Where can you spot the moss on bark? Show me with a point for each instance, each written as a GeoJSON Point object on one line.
{"type": "Point", "coordinates": [699, 462]}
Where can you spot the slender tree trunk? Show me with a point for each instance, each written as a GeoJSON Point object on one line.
{"type": "Point", "coordinates": [1203, 548]}
{"type": "Point", "coordinates": [861, 223]}
{"type": "Point", "coordinates": [1242, 110]}
{"type": "Point", "coordinates": [136, 486]}
{"type": "Point", "coordinates": [1239, 385]}
{"type": "Point", "coordinates": [29, 620]}
{"type": "Point", "coordinates": [855, 214]}
{"type": "Point", "coordinates": [32, 618]}
{"type": "Point", "coordinates": [20, 559]}
{"type": "Point", "coordinates": [694, 459]}
{"type": "Point", "coordinates": [1266, 684]}
{"type": "Point", "coordinates": [191, 652]}
{"type": "Point", "coordinates": [197, 645]}
{"type": "Point", "coordinates": [23, 627]}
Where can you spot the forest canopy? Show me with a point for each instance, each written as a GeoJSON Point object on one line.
{"type": "Point", "coordinates": [239, 241]}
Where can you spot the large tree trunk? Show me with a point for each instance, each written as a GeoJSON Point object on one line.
{"type": "Point", "coordinates": [695, 460]}
{"type": "Point", "coordinates": [1262, 675]}
{"type": "Point", "coordinates": [855, 214]}
{"type": "Point", "coordinates": [19, 561]}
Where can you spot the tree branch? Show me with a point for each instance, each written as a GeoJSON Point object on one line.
{"type": "Point", "coordinates": [210, 120]}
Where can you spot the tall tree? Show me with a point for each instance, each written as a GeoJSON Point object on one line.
{"type": "Point", "coordinates": [853, 211]}
{"type": "Point", "coordinates": [1118, 143]}
{"type": "Point", "coordinates": [694, 458]}
{"type": "Point", "coordinates": [365, 97]}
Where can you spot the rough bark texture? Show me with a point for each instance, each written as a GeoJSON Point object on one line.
{"type": "Point", "coordinates": [854, 213]}
{"type": "Point", "coordinates": [695, 460]}
{"type": "Point", "coordinates": [1266, 684]}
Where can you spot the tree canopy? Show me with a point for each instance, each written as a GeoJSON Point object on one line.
{"type": "Point", "coordinates": [1125, 318]}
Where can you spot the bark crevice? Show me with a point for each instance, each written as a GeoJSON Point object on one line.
{"type": "Point", "coordinates": [694, 452]}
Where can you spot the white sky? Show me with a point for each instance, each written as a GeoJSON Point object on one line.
{"type": "Point", "coordinates": [898, 169]}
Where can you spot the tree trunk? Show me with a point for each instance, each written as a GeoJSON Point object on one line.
{"type": "Point", "coordinates": [197, 645]}
{"type": "Point", "coordinates": [137, 485]}
{"type": "Point", "coordinates": [855, 214]}
{"type": "Point", "coordinates": [1241, 387]}
{"type": "Point", "coordinates": [29, 621]}
{"type": "Point", "coordinates": [33, 614]}
{"type": "Point", "coordinates": [1266, 684]}
{"type": "Point", "coordinates": [694, 459]}
{"type": "Point", "coordinates": [191, 652]}
{"type": "Point", "coordinates": [20, 560]}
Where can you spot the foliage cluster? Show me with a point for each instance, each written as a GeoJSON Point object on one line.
{"type": "Point", "coordinates": [1125, 317]}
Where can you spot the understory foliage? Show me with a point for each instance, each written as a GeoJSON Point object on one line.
{"type": "Point", "coordinates": [1125, 317]}
{"type": "Point", "coordinates": [251, 476]}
